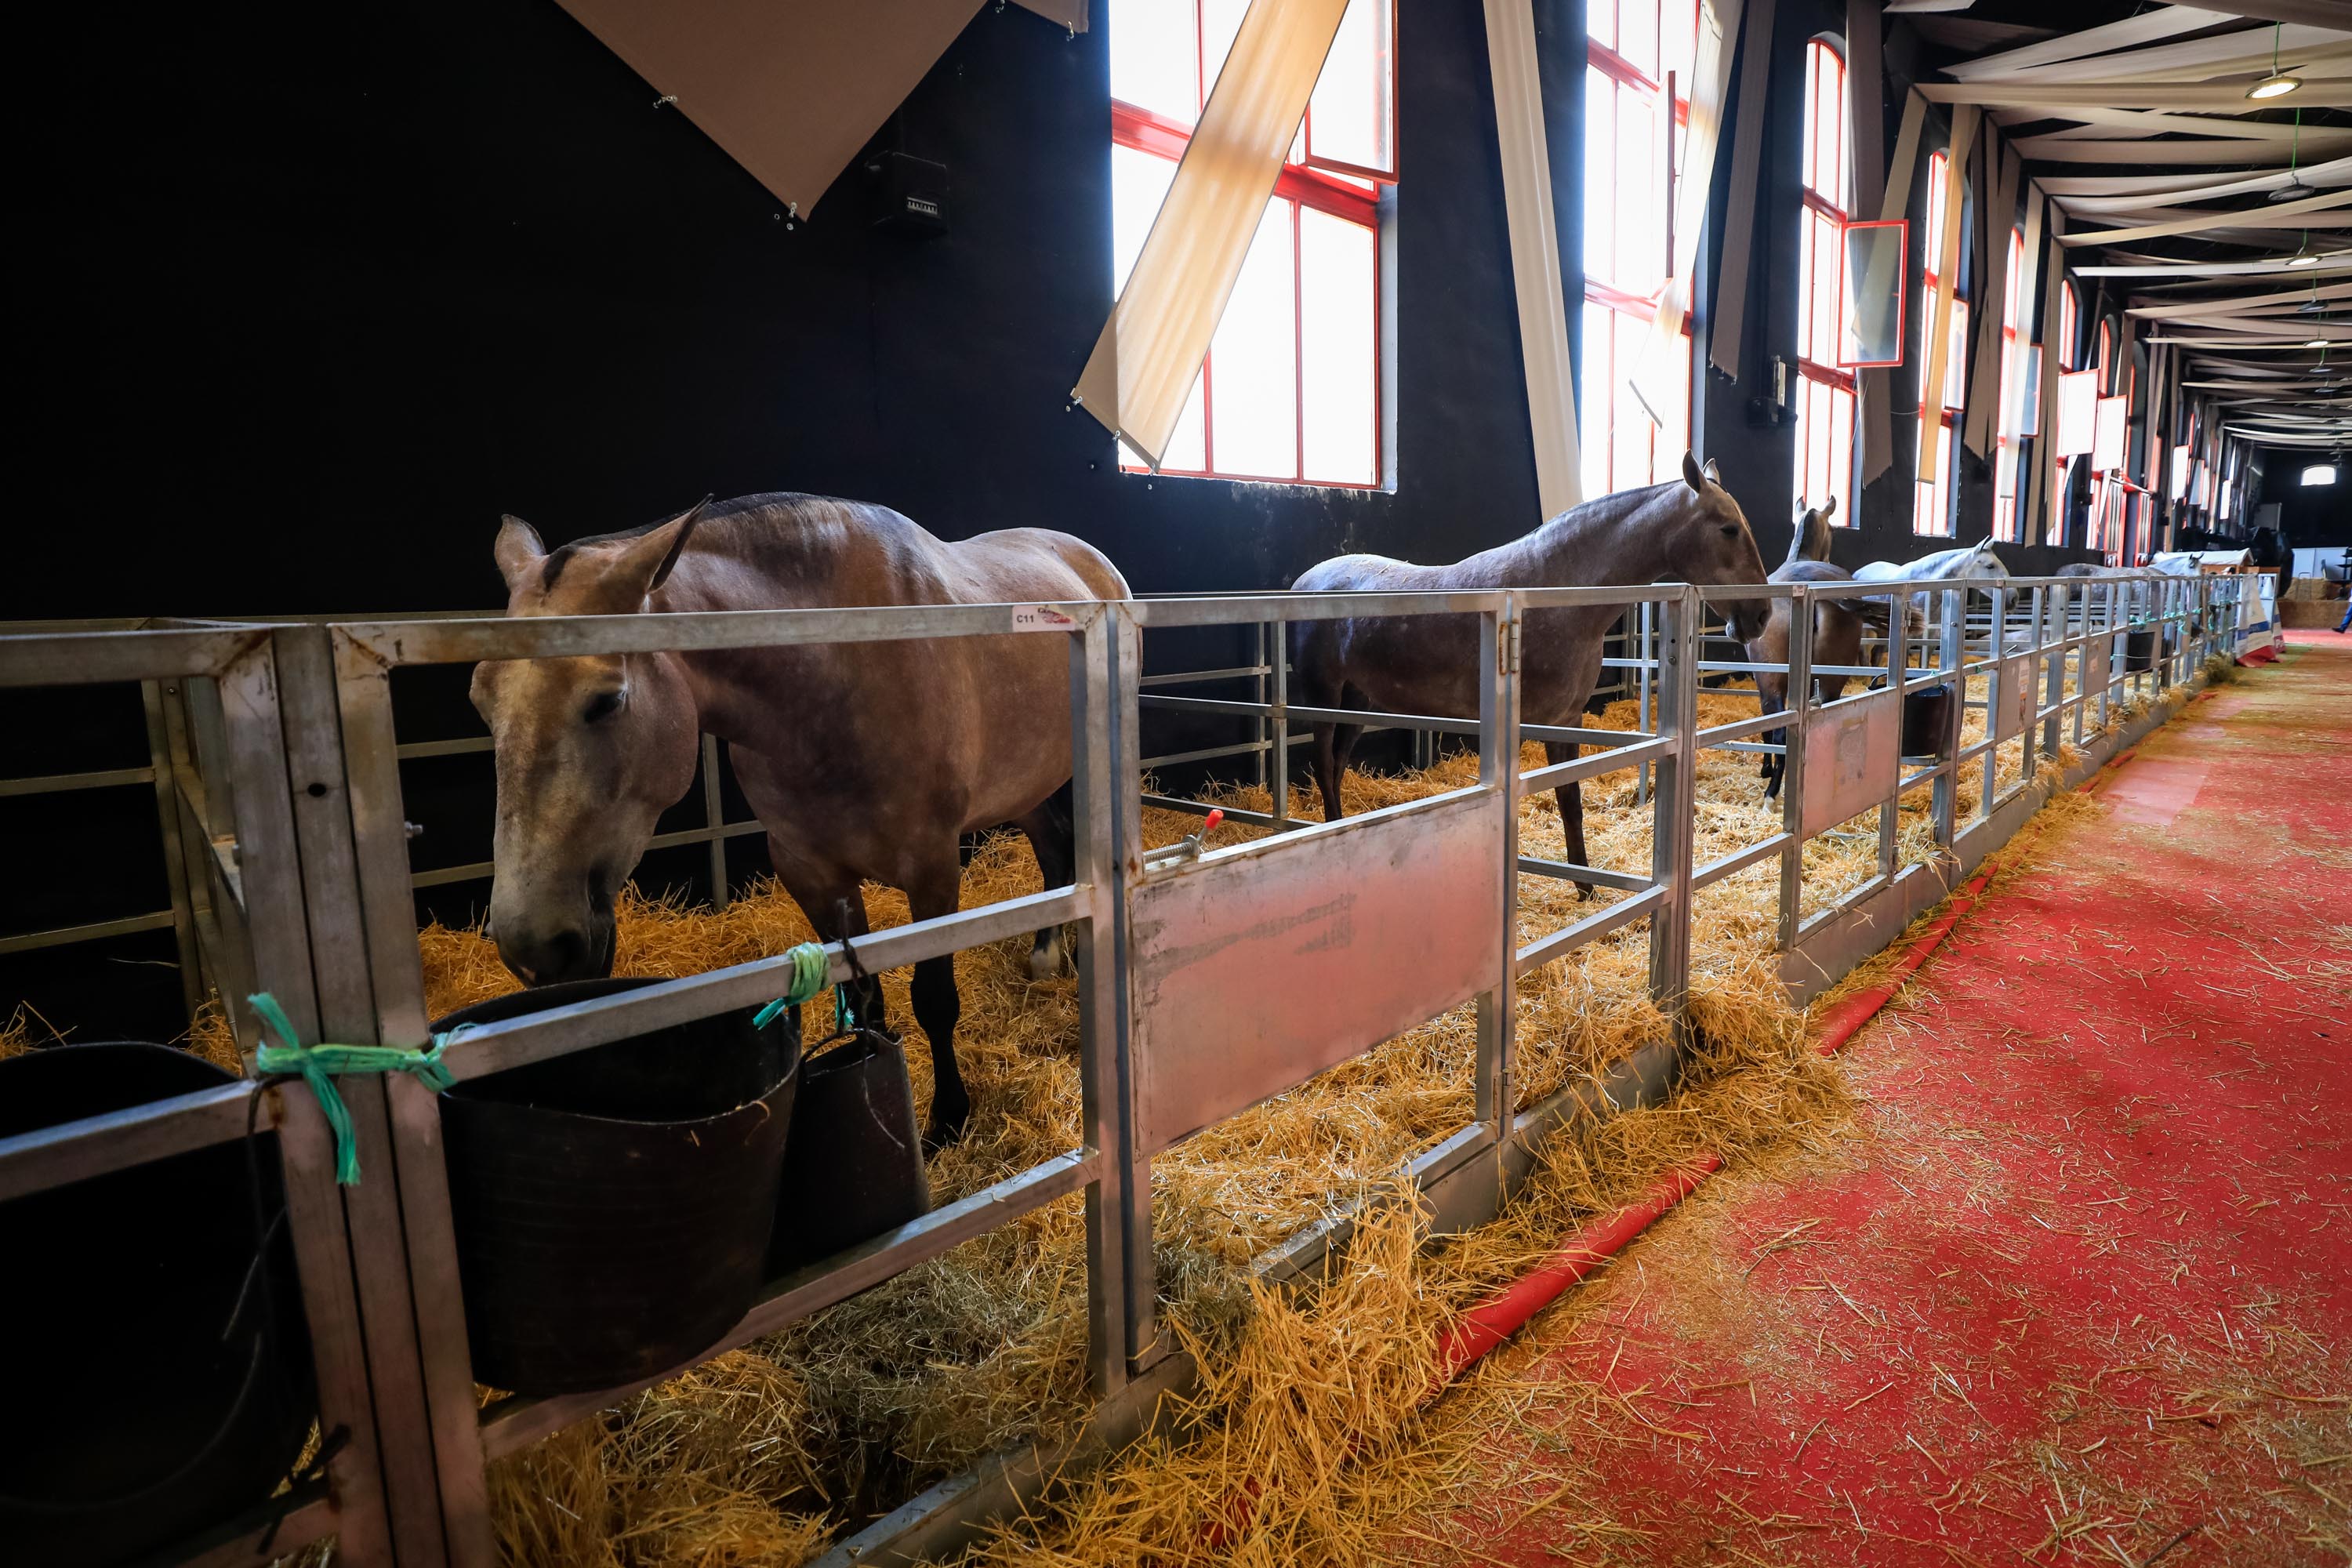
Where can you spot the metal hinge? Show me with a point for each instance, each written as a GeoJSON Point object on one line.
{"type": "Point", "coordinates": [1511, 647]}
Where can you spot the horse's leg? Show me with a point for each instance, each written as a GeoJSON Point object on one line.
{"type": "Point", "coordinates": [934, 891]}
{"type": "Point", "coordinates": [1053, 835]}
{"type": "Point", "coordinates": [1570, 799]}
{"type": "Point", "coordinates": [1771, 691]}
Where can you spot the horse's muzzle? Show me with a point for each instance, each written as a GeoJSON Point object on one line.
{"type": "Point", "coordinates": [554, 956]}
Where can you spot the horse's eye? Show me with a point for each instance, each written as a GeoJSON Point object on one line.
{"type": "Point", "coordinates": [1730, 530]}
{"type": "Point", "coordinates": [601, 707]}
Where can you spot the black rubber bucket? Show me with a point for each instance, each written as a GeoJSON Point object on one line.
{"type": "Point", "coordinates": [2139, 650]}
{"type": "Point", "coordinates": [1927, 721]}
{"type": "Point", "coordinates": [854, 1167]}
{"type": "Point", "coordinates": [612, 1207]}
{"type": "Point", "coordinates": [133, 1420]}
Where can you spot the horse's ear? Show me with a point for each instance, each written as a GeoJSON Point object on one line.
{"type": "Point", "coordinates": [1691, 475]}
{"type": "Point", "coordinates": [1830, 509]}
{"type": "Point", "coordinates": [1714, 473]}
{"type": "Point", "coordinates": [517, 552]}
{"type": "Point", "coordinates": [646, 561]}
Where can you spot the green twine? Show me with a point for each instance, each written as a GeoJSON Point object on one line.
{"type": "Point", "coordinates": [319, 1066]}
{"type": "Point", "coordinates": [811, 964]}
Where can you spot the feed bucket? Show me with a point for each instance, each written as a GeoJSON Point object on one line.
{"type": "Point", "coordinates": [135, 1420]}
{"type": "Point", "coordinates": [612, 1205]}
{"type": "Point", "coordinates": [854, 1167]}
{"type": "Point", "coordinates": [1926, 721]}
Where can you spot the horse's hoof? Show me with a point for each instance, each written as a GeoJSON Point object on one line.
{"type": "Point", "coordinates": [1050, 960]}
{"type": "Point", "coordinates": [944, 1131]}
{"type": "Point", "coordinates": [1586, 891]}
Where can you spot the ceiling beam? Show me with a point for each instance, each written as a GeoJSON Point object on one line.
{"type": "Point", "coordinates": [2127, 95]}
{"type": "Point", "coordinates": [2056, 149]}
{"type": "Point", "coordinates": [2326, 201]}
{"type": "Point", "coordinates": [2164, 22]}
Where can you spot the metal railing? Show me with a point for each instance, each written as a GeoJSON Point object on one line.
{"type": "Point", "coordinates": [1207, 982]}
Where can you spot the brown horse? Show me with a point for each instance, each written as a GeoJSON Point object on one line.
{"type": "Point", "coordinates": [1687, 530]}
{"type": "Point", "coordinates": [1837, 630]}
{"type": "Point", "coordinates": [865, 761]}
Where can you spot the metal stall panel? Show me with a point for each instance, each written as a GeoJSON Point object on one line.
{"type": "Point", "coordinates": [1256, 970]}
{"type": "Point", "coordinates": [1852, 758]}
{"type": "Point", "coordinates": [2012, 704]}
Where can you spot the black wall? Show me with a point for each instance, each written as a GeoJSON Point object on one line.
{"type": "Point", "coordinates": [325, 291]}
{"type": "Point", "coordinates": [2313, 516]}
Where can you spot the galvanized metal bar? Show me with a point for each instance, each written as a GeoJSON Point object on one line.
{"type": "Point", "coordinates": [714, 817]}
{"type": "Point", "coordinates": [1196, 677]}
{"type": "Point", "coordinates": [1260, 685]}
{"type": "Point", "coordinates": [1740, 859]}
{"type": "Point", "coordinates": [1210, 754]}
{"type": "Point", "coordinates": [1105, 1092]}
{"type": "Point", "coordinates": [460, 641]}
{"type": "Point", "coordinates": [346, 1013]}
{"type": "Point", "coordinates": [1495, 1094]}
{"type": "Point", "coordinates": [61, 936]}
{"type": "Point", "coordinates": [1951, 604]}
{"type": "Point", "coordinates": [175, 864]}
{"type": "Point", "coordinates": [1898, 662]}
{"type": "Point", "coordinates": [242, 748]}
{"type": "Point", "coordinates": [1569, 938]}
{"type": "Point", "coordinates": [1676, 808]}
{"type": "Point", "coordinates": [94, 1146]}
{"type": "Point", "coordinates": [1551, 776]}
{"type": "Point", "coordinates": [1647, 662]}
{"type": "Point", "coordinates": [91, 659]}
{"type": "Point", "coordinates": [1278, 779]}
{"type": "Point", "coordinates": [1569, 871]}
{"type": "Point", "coordinates": [462, 746]}
{"type": "Point", "coordinates": [1235, 609]}
{"type": "Point", "coordinates": [57, 783]}
{"type": "Point", "coordinates": [1993, 695]}
{"type": "Point", "coordinates": [1800, 700]}
{"type": "Point", "coordinates": [385, 913]}
{"type": "Point", "coordinates": [1139, 1290]}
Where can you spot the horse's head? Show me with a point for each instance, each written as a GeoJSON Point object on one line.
{"type": "Point", "coordinates": [590, 750]}
{"type": "Point", "coordinates": [1811, 539]}
{"type": "Point", "coordinates": [1710, 542]}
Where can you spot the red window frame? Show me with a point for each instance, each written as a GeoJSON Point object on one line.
{"type": "Point", "coordinates": [1356, 200]}
{"type": "Point", "coordinates": [1825, 389]}
{"type": "Point", "coordinates": [1599, 434]}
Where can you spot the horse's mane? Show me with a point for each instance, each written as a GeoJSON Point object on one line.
{"type": "Point", "coordinates": [561, 556]}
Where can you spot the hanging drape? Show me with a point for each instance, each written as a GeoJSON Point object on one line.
{"type": "Point", "coordinates": [1939, 316]}
{"type": "Point", "coordinates": [2002, 170]}
{"type": "Point", "coordinates": [1661, 375]}
{"type": "Point", "coordinates": [1729, 322]}
{"type": "Point", "coordinates": [1145, 361]}
{"type": "Point", "coordinates": [1534, 233]}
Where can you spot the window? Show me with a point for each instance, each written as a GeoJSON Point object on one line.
{"type": "Point", "coordinates": [1824, 392]}
{"type": "Point", "coordinates": [1634, 47]}
{"type": "Point", "coordinates": [2105, 531]}
{"type": "Point", "coordinates": [1290, 387]}
{"type": "Point", "coordinates": [2319, 474]}
{"type": "Point", "coordinates": [1937, 492]}
{"type": "Point", "coordinates": [2011, 417]}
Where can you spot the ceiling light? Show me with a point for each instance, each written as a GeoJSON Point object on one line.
{"type": "Point", "coordinates": [2306, 260]}
{"type": "Point", "coordinates": [2316, 344]}
{"type": "Point", "coordinates": [2273, 87]}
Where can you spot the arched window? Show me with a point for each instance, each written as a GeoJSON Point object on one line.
{"type": "Point", "coordinates": [2106, 493]}
{"type": "Point", "coordinates": [1938, 492]}
{"type": "Point", "coordinates": [2011, 421]}
{"type": "Point", "coordinates": [1824, 392]}
{"type": "Point", "coordinates": [1634, 46]}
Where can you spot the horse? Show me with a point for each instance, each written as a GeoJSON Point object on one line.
{"type": "Point", "coordinates": [1689, 530]}
{"type": "Point", "coordinates": [1837, 630]}
{"type": "Point", "coordinates": [864, 762]}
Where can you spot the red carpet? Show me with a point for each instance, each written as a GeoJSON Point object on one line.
{"type": "Point", "coordinates": [2082, 1290]}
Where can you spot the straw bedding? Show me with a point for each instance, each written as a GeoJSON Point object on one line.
{"type": "Point", "coordinates": [1308, 1400]}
